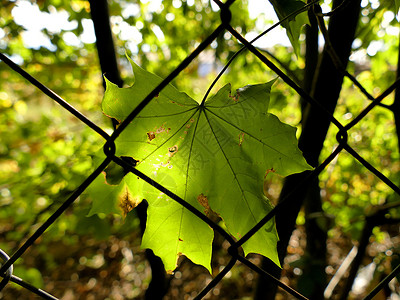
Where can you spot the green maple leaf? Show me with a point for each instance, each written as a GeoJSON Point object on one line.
{"type": "Point", "coordinates": [214, 155]}
{"type": "Point", "coordinates": [284, 8]}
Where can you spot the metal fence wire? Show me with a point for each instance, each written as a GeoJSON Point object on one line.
{"type": "Point", "coordinates": [6, 270]}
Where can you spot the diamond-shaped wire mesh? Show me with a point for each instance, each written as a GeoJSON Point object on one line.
{"type": "Point", "coordinates": [234, 246]}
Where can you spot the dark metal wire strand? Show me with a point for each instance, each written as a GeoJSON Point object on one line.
{"type": "Point", "coordinates": [304, 8]}
{"type": "Point", "coordinates": [372, 169]}
{"type": "Point", "coordinates": [8, 273]}
{"type": "Point", "coordinates": [383, 283]}
{"type": "Point", "coordinates": [300, 91]}
{"type": "Point", "coordinates": [35, 290]}
{"type": "Point", "coordinates": [166, 81]}
{"type": "Point", "coordinates": [374, 103]}
{"type": "Point", "coordinates": [29, 242]}
{"type": "Point", "coordinates": [175, 197]}
{"type": "Point", "coordinates": [262, 272]}
{"type": "Point", "coordinates": [6, 267]}
{"type": "Point", "coordinates": [281, 204]}
{"type": "Point", "coordinates": [216, 279]}
{"type": "Point", "coordinates": [53, 96]}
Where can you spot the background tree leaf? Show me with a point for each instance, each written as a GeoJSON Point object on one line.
{"type": "Point", "coordinates": [216, 152]}
{"type": "Point", "coordinates": [283, 8]}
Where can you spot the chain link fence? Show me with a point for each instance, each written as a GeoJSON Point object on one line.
{"type": "Point", "coordinates": [379, 217]}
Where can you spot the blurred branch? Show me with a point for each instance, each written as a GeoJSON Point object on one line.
{"type": "Point", "coordinates": [340, 272]}
{"type": "Point", "coordinates": [376, 219]}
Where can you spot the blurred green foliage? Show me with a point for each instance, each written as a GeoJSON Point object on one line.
{"type": "Point", "coordinates": [45, 153]}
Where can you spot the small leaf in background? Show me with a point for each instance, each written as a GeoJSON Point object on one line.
{"type": "Point", "coordinates": [214, 155]}
{"type": "Point", "coordinates": [94, 226]}
{"type": "Point", "coordinates": [284, 8]}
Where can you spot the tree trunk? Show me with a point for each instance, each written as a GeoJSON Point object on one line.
{"type": "Point", "coordinates": [104, 41]}
{"type": "Point", "coordinates": [313, 280]}
{"type": "Point", "coordinates": [326, 89]}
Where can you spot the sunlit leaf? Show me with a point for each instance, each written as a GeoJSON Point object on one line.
{"type": "Point", "coordinates": [214, 155]}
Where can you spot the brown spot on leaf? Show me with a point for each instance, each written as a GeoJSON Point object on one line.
{"type": "Point", "coordinates": [203, 200]}
{"type": "Point", "coordinates": [161, 129]}
{"type": "Point", "coordinates": [151, 135]}
{"type": "Point", "coordinates": [234, 97]}
{"type": "Point", "coordinates": [177, 103]}
{"type": "Point", "coordinates": [127, 202]}
{"type": "Point", "coordinates": [269, 171]}
{"type": "Point", "coordinates": [180, 240]}
{"type": "Point", "coordinates": [172, 150]}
